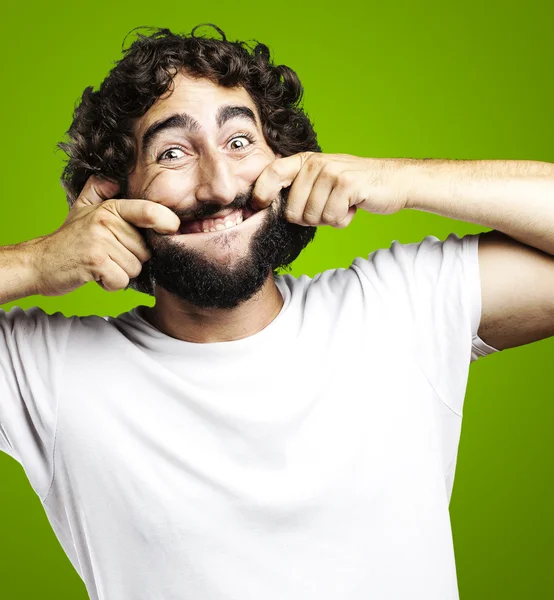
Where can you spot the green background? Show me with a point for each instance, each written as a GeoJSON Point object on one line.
{"type": "Point", "coordinates": [426, 79]}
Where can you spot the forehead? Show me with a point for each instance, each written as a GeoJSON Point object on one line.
{"type": "Point", "coordinates": [198, 97]}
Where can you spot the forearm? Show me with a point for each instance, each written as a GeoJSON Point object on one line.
{"type": "Point", "coordinates": [515, 197]}
{"type": "Point", "coordinates": [17, 272]}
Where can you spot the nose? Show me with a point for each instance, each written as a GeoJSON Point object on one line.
{"type": "Point", "coordinates": [217, 183]}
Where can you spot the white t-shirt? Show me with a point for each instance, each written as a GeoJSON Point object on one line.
{"type": "Point", "coordinates": [313, 460]}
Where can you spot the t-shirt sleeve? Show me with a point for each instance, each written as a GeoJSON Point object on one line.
{"type": "Point", "coordinates": [32, 347]}
{"type": "Point", "coordinates": [432, 292]}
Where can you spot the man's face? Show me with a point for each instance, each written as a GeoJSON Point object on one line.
{"type": "Point", "coordinates": [200, 151]}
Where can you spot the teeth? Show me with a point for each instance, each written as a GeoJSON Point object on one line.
{"type": "Point", "coordinates": [220, 226]}
{"type": "Point", "coordinates": [230, 222]}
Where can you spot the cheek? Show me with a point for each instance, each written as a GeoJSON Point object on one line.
{"type": "Point", "coordinates": [167, 187]}
{"type": "Point", "coordinates": [251, 168]}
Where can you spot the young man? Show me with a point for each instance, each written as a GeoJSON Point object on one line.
{"type": "Point", "coordinates": [256, 435]}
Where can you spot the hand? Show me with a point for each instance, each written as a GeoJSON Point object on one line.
{"type": "Point", "coordinates": [98, 242]}
{"type": "Point", "coordinates": [327, 189]}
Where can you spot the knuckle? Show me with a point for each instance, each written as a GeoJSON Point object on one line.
{"type": "Point", "coordinates": [328, 171]}
{"type": "Point", "coordinates": [313, 164]}
{"type": "Point", "coordinates": [96, 258]}
{"type": "Point", "coordinates": [103, 216]}
{"type": "Point", "coordinates": [330, 218]}
{"type": "Point", "coordinates": [135, 269]}
{"type": "Point", "coordinates": [311, 217]}
{"type": "Point", "coordinates": [342, 224]}
{"type": "Point", "coordinates": [311, 220]}
{"type": "Point", "coordinates": [344, 180]}
{"type": "Point", "coordinates": [149, 212]}
{"type": "Point", "coordinates": [110, 204]}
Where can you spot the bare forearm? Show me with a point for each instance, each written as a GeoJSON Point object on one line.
{"type": "Point", "coordinates": [515, 197]}
{"type": "Point", "coordinates": [17, 272]}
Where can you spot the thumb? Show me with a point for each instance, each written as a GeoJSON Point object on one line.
{"type": "Point", "coordinates": [96, 190]}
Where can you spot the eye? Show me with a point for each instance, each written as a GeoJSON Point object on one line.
{"type": "Point", "coordinates": [173, 149]}
{"type": "Point", "coordinates": [245, 136]}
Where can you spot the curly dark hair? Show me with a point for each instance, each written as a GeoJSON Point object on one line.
{"type": "Point", "coordinates": [101, 139]}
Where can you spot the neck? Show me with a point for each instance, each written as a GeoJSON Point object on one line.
{"type": "Point", "coordinates": [186, 322]}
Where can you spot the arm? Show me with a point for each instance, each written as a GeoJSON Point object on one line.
{"type": "Point", "coordinates": [516, 259]}
{"type": "Point", "coordinates": [18, 278]}
{"type": "Point", "coordinates": [515, 198]}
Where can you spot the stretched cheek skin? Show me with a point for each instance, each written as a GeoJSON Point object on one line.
{"type": "Point", "coordinates": [166, 189]}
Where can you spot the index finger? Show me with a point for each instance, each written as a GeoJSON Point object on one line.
{"type": "Point", "coordinates": [278, 174]}
{"type": "Point", "coordinates": [146, 213]}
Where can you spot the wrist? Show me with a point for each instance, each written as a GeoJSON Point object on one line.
{"type": "Point", "coordinates": [30, 261]}
{"type": "Point", "coordinates": [413, 176]}
{"type": "Point", "coordinates": [19, 270]}
{"type": "Point", "coordinates": [400, 178]}
{"type": "Point", "coordinates": [429, 185]}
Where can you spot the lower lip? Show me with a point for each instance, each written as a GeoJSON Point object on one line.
{"type": "Point", "coordinates": [244, 226]}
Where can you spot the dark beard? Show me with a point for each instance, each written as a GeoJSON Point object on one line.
{"type": "Point", "coordinates": [186, 274]}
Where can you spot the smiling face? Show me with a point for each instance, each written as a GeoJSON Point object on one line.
{"type": "Point", "coordinates": [200, 151]}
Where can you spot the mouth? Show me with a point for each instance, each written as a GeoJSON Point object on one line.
{"type": "Point", "coordinates": [215, 224]}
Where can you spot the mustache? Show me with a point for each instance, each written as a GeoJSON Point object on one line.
{"type": "Point", "coordinates": [242, 200]}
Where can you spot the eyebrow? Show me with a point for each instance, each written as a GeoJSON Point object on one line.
{"type": "Point", "coordinates": [185, 122]}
